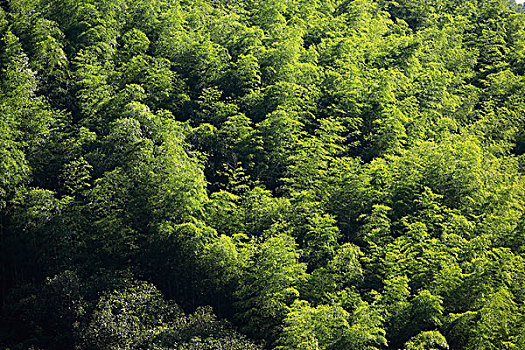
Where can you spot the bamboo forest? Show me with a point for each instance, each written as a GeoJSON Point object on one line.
{"type": "Point", "coordinates": [262, 174]}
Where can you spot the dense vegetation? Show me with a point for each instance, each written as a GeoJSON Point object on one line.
{"type": "Point", "coordinates": [280, 174]}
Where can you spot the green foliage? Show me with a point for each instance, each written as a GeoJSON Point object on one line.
{"type": "Point", "coordinates": [432, 340]}
{"type": "Point", "coordinates": [331, 327]}
{"type": "Point", "coordinates": [342, 174]}
{"type": "Point", "coordinates": [127, 319]}
{"type": "Point", "coordinates": [270, 284]}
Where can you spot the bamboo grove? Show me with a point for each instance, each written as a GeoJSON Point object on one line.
{"type": "Point", "coordinates": [278, 174]}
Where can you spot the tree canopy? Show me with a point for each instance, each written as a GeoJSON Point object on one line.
{"type": "Point", "coordinates": [284, 174]}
